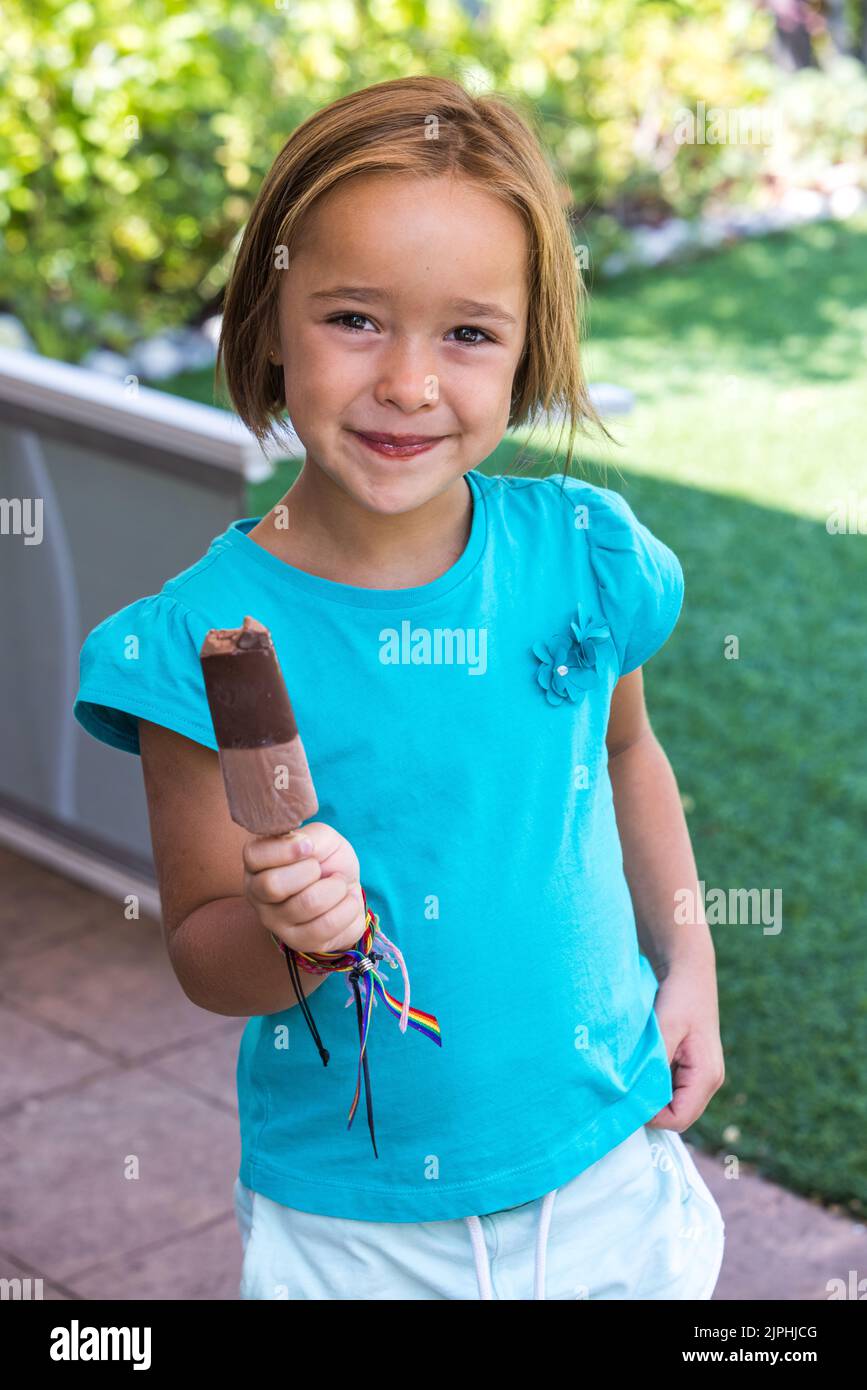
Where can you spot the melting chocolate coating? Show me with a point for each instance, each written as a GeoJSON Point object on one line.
{"type": "Point", "coordinates": [249, 703]}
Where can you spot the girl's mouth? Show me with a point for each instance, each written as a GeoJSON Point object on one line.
{"type": "Point", "coordinates": [397, 446]}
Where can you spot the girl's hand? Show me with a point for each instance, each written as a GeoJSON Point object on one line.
{"type": "Point", "coordinates": [687, 1014]}
{"type": "Point", "coordinates": [310, 900]}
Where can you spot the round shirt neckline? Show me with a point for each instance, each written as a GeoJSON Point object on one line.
{"type": "Point", "coordinates": [237, 535]}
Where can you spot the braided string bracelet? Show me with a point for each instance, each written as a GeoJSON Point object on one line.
{"type": "Point", "coordinates": [359, 965]}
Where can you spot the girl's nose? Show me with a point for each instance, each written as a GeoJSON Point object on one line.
{"type": "Point", "coordinates": [406, 378]}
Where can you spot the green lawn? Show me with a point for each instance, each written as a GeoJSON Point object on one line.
{"type": "Point", "coordinates": [749, 368]}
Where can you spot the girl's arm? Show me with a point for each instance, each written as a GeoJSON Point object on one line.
{"type": "Point", "coordinates": [223, 956]}
{"type": "Point", "coordinates": [658, 859]}
{"type": "Point", "coordinates": [658, 862]}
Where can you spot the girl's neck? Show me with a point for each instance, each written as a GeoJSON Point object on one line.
{"type": "Point", "coordinates": [319, 528]}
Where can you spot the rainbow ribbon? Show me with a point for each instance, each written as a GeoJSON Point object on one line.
{"type": "Point", "coordinates": [362, 978]}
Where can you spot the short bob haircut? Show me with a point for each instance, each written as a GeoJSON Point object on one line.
{"type": "Point", "coordinates": [426, 126]}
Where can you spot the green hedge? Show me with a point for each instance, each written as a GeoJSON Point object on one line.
{"type": "Point", "coordinates": [133, 138]}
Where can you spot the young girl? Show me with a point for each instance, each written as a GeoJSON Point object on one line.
{"type": "Point", "coordinates": [463, 654]}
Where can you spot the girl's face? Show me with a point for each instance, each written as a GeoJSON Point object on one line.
{"type": "Point", "coordinates": [403, 313]}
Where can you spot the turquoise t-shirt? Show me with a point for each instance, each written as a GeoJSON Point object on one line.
{"type": "Point", "coordinates": [456, 736]}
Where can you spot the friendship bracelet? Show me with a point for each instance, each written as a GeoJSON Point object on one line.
{"type": "Point", "coordinates": [359, 965]}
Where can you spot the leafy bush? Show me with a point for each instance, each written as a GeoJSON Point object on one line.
{"type": "Point", "coordinates": [134, 139]}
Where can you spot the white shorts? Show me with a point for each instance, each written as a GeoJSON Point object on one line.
{"type": "Point", "coordinates": [640, 1223]}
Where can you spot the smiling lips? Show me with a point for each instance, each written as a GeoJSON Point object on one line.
{"type": "Point", "coordinates": [398, 445]}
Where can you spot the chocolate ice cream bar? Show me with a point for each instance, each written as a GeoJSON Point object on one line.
{"type": "Point", "coordinates": [268, 783]}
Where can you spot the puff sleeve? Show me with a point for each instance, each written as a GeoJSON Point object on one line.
{"type": "Point", "coordinates": [640, 580]}
{"type": "Point", "coordinates": [143, 661]}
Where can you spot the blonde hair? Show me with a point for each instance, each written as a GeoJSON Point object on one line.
{"type": "Point", "coordinates": [427, 126]}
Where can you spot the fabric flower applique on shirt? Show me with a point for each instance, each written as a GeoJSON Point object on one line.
{"type": "Point", "coordinates": [568, 663]}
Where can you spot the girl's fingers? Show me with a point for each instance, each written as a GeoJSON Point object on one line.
{"type": "Point", "coordinates": [276, 885]}
{"type": "Point", "coordinates": [262, 852]}
{"type": "Point", "coordinates": [354, 914]}
{"type": "Point", "coordinates": [271, 851]}
{"type": "Point", "coordinates": [310, 905]}
{"type": "Point", "coordinates": [312, 935]}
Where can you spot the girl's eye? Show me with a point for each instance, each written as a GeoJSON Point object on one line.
{"type": "Point", "coordinates": [462, 328]}
{"type": "Point", "coordinates": [467, 328]}
{"type": "Point", "coordinates": [338, 318]}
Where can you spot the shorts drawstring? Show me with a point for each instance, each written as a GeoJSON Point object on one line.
{"type": "Point", "coordinates": [480, 1250]}
{"type": "Point", "coordinates": [542, 1242]}
{"type": "Point", "coordinates": [480, 1255]}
